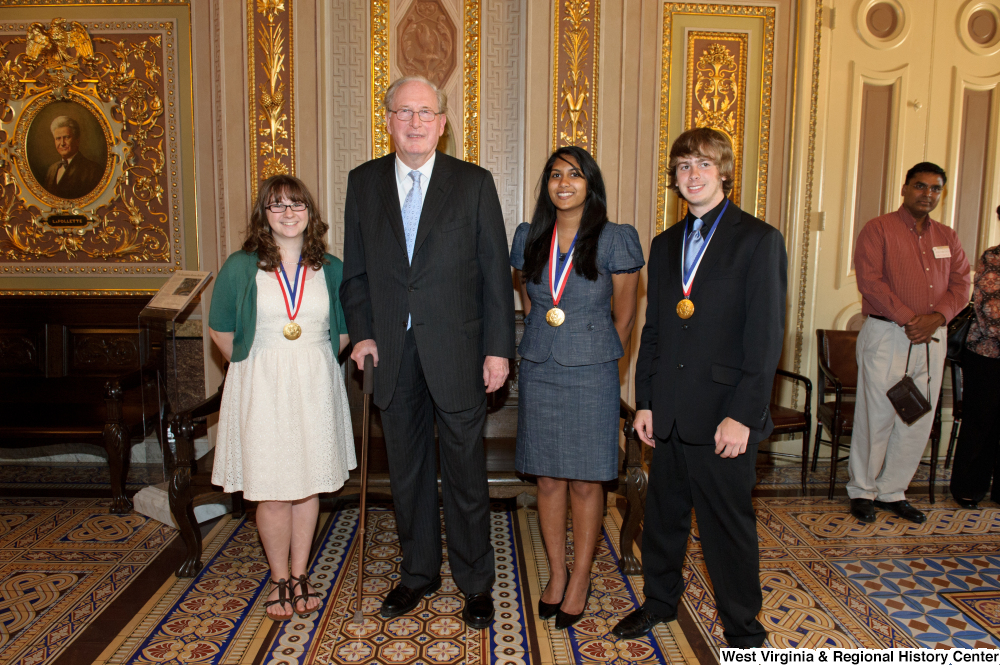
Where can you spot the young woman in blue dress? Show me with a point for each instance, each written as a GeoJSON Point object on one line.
{"type": "Point", "coordinates": [578, 274]}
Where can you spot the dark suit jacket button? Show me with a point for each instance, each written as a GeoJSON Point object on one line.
{"type": "Point", "coordinates": [684, 327]}
{"type": "Point", "coordinates": [590, 326]}
{"type": "Point", "coordinates": [410, 289]}
{"type": "Point", "coordinates": [681, 366]}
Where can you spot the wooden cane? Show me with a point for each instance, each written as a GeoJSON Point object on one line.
{"type": "Point", "coordinates": [367, 388]}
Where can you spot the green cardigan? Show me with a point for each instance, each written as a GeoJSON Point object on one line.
{"type": "Point", "coordinates": [234, 301]}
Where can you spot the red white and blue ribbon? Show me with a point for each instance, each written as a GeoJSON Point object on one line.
{"type": "Point", "coordinates": [687, 279]}
{"type": "Point", "coordinates": [559, 270]}
{"type": "Point", "coordinates": [295, 290]}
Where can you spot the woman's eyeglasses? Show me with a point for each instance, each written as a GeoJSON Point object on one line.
{"type": "Point", "coordinates": [281, 207]}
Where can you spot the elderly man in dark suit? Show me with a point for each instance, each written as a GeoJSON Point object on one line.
{"type": "Point", "coordinates": [427, 292]}
{"type": "Point", "coordinates": [73, 176]}
{"type": "Point", "coordinates": [715, 320]}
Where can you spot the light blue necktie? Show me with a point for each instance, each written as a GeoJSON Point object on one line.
{"type": "Point", "coordinates": [411, 220]}
{"type": "Point", "coordinates": [694, 243]}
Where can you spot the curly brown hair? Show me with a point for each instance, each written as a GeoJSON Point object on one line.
{"type": "Point", "coordinates": [259, 238]}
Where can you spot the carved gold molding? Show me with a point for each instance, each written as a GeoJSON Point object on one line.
{"type": "Point", "coordinates": [717, 87]}
{"type": "Point", "coordinates": [272, 108]}
{"type": "Point", "coordinates": [380, 75]}
{"type": "Point", "coordinates": [800, 307]}
{"type": "Point", "coordinates": [470, 83]}
{"type": "Point", "coordinates": [124, 217]}
{"type": "Point", "coordinates": [672, 9]}
{"type": "Point", "coordinates": [575, 78]}
{"type": "Point", "coordinates": [90, 292]}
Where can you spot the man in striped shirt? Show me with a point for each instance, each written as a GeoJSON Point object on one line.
{"type": "Point", "coordinates": [913, 277]}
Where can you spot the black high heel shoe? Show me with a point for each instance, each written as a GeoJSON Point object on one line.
{"type": "Point", "coordinates": [549, 610]}
{"type": "Point", "coordinates": [564, 621]}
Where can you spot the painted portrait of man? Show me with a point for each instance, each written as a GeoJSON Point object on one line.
{"type": "Point", "coordinates": [73, 175]}
{"type": "Point", "coordinates": [66, 150]}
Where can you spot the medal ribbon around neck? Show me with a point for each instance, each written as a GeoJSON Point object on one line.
{"type": "Point", "coordinates": [296, 290]}
{"type": "Point", "coordinates": [687, 280]}
{"type": "Point", "coordinates": [559, 274]}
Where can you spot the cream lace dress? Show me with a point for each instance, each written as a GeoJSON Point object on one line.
{"type": "Point", "coordinates": [285, 425]}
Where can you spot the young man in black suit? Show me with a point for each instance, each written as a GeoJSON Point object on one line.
{"type": "Point", "coordinates": [427, 292]}
{"type": "Point", "coordinates": [715, 319]}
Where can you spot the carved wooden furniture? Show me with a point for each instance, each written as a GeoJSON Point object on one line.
{"type": "Point", "coordinates": [76, 369]}
{"type": "Point", "coordinates": [189, 480]}
{"type": "Point", "coordinates": [791, 421]}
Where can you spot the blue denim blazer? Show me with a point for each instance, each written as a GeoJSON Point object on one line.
{"type": "Point", "coordinates": [588, 336]}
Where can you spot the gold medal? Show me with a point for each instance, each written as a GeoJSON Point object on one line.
{"type": "Point", "coordinates": [685, 308]}
{"type": "Point", "coordinates": [292, 330]}
{"type": "Point", "coordinates": [555, 317]}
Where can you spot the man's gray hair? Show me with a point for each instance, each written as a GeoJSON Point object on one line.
{"type": "Point", "coordinates": [65, 121]}
{"type": "Point", "coordinates": [390, 92]}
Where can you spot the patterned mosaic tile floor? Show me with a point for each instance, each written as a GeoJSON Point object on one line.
{"type": "Point", "coordinates": [73, 475]}
{"type": "Point", "coordinates": [62, 561]}
{"type": "Point", "coordinates": [830, 580]}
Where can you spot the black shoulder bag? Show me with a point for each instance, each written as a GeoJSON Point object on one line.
{"type": "Point", "coordinates": [958, 330]}
{"type": "Point", "coordinates": [906, 398]}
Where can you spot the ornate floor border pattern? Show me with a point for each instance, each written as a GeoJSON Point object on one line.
{"type": "Point", "coordinates": [63, 562]}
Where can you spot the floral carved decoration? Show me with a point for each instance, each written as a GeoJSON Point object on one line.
{"type": "Point", "coordinates": [112, 91]}
{"type": "Point", "coordinates": [270, 101]}
{"type": "Point", "coordinates": [575, 121]}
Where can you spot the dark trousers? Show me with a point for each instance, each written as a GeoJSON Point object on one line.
{"type": "Point", "coordinates": [682, 477]}
{"type": "Point", "coordinates": [408, 423]}
{"type": "Point", "coordinates": [977, 455]}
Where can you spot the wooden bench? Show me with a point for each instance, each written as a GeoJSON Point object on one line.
{"type": "Point", "coordinates": [78, 370]}
{"type": "Point", "coordinates": [189, 480]}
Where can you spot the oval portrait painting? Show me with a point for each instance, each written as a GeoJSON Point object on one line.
{"type": "Point", "coordinates": [66, 150]}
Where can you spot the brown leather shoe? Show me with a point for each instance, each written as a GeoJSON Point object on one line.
{"type": "Point", "coordinates": [903, 509]}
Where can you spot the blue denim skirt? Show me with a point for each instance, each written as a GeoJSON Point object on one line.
{"type": "Point", "coordinates": [567, 420]}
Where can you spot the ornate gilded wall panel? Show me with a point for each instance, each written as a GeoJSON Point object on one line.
{"type": "Point", "coordinates": [576, 61]}
{"type": "Point", "coordinates": [91, 151]}
{"type": "Point", "coordinates": [701, 57]}
{"type": "Point", "coordinates": [716, 88]}
{"type": "Point", "coordinates": [470, 83]}
{"type": "Point", "coordinates": [380, 75]}
{"type": "Point", "coordinates": [419, 44]}
{"type": "Point", "coordinates": [270, 78]}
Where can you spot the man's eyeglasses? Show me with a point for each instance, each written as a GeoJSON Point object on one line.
{"type": "Point", "coordinates": [281, 207]}
{"type": "Point", "coordinates": [921, 187]}
{"type": "Point", "coordinates": [425, 115]}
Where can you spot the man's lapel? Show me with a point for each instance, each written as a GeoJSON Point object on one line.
{"type": "Point", "coordinates": [716, 248]}
{"type": "Point", "coordinates": [437, 194]}
{"type": "Point", "coordinates": [390, 198]}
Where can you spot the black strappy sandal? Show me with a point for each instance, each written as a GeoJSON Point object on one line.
{"type": "Point", "coordinates": [284, 591]}
{"type": "Point", "coordinates": [304, 586]}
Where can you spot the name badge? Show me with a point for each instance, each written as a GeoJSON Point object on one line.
{"type": "Point", "coordinates": [942, 252]}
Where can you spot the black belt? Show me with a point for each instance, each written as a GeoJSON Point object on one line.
{"type": "Point", "coordinates": [882, 318]}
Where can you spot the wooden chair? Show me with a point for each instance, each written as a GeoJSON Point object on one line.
{"type": "Point", "coordinates": [838, 373]}
{"type": "Point", "coordinates": [957, 390]}
{"type": "Point", "coordinates": [189, 480]}
{"type": "Point", "coordinates": [789, 421]}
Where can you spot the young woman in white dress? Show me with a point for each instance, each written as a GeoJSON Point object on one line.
{"type": "Point", "coordinates": [284, 428]}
